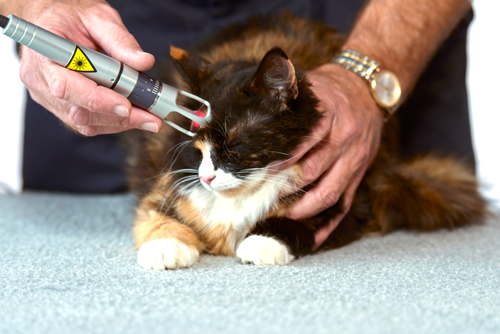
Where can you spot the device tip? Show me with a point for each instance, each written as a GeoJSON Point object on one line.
{"type": "Point", "coordinates": [4, 21]}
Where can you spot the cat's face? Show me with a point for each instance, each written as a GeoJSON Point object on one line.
{"type": "Point", "coordinates": [260, 113]}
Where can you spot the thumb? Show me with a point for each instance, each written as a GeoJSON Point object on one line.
{"type": "Point", "coordinates": [113, 37]}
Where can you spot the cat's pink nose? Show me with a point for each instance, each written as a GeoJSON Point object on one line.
{"type": "Point", "coordinates": [207, 179]}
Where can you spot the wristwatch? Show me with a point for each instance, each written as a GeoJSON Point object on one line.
{"type": "Point", "coordinates": [384, 84]}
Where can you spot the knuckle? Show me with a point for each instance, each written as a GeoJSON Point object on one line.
{"type": "Point", "coordinates": [87, 131]}
{"type": "Point", "coordinates": [362, 154]}
{"type": "Point", "coordinates": [57, 86]}
{"type": "Point", "coordinates": [124, 122]}
{"type": "Point", "coordinates": [352, 130]}
{"type": "Point", "coordinates": [106, 10]}
{"type": "Point", "coordinates": [79, 116]}
{"type": "Point", "coordinates": [27, 69]}
{"type": "Point", "coordinates": [122, 37]}
{"type": "Point", "coordinates": [346, 203]}
{"type": "Point", "coordinates": [26, 75]}
{"type": "Point", "coordinates": [102, 10]}
{"type": "Point", "coordinates": [323, 127]}
{"type": "Point", "coordinates": [92, 102]}
{"type": "Point", "coordinates": [309, 170]}
{"type": "Point", "coordinates": [37, 98]}
{"type": "Point", "coordinates": [327, 197]}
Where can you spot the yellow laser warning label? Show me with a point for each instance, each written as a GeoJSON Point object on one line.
{"type": "Point", "coordinates": [80, 63]}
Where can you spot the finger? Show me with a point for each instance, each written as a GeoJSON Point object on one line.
{"type": "Point", "coordinates": [313, 166]}
{"type": "Point", "coordinates": [90, 124]}
{"type": "Point", "coordinates": [90, 131]}
{"type": "Point", "coordinates": [323, 233]}
{"type": "Point", "coordinates": [324, 195]}
{"type": "Point", "coordinates": [332, 184]}
{"type": "Point", "coordinates": [138, 118]}
{"type": "Point", "coordinates": [318, 134]}
{"type": "Point", "coordinates": [117, 41]}
{"type": "Point", "coordinates": [322, 157]}
{"type": "Point", "coordinates": [74, 88]}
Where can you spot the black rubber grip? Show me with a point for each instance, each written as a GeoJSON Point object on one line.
{"type": "Point", "coordinates": [4, 21]}
{"type": "Point", "coordinates": [145, 91]}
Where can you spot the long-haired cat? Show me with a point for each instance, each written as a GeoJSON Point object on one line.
{"type": "Point", "coordinates": [215, 192]}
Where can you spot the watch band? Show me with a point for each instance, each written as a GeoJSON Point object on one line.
{"type": "Point", "coordinates": [356, 62]}
{"type": "Point", "coordinates": [370, 70]}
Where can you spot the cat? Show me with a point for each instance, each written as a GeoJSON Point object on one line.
{"type": "Point", "coordinates": [215, 192]}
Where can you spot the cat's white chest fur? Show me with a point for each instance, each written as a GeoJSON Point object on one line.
{"type": "Point", "coordinates": [249, 199]}
{"type": "Point", "coordinates": [240, 212]}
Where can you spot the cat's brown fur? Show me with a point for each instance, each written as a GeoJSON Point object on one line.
{"type": "Point", "coordinates": [425, 194]}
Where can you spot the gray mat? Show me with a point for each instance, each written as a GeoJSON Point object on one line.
{"type": "Point", "coordinates": [68, 265]}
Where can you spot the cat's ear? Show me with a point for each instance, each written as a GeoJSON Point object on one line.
{"type": "Point", "coordinates": [193, 67]}
{"type": "Point", "coordinates": [275, 77]}
{"type": "Point", "coordinates": [178, 53]}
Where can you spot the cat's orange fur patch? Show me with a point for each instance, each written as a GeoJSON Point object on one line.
{"type": "Point", "coordinates": [219, 239]}
{"type": "Point", "coordinates": [178, 53]}
{"type": "Point", "coordinates": [151, 225]}
{"type": "Point", "coordinates": [202, 146]}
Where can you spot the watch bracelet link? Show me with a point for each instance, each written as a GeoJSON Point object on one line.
{"type": "Point", "coordinates": [364, 67]}
{"type": "Point", "coordinates": [356, 62]}
{"type": "Point", "coordinates": [358, 68]}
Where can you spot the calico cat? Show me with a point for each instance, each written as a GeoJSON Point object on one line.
{"type": "Point", "coordinates": [215, 192]}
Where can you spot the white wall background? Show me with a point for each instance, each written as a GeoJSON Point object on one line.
{"type": "Point", "coordinates": [483, 80]}
{"type": "Point", "coordinates": [484, 89]}
{"type": "Point", "coordinates": [12, 96]}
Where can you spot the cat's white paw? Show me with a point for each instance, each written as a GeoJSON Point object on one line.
{"type": "Point", "coordinates": [263, 251]}
{"type": "Point", "coordinates": [166, 254]}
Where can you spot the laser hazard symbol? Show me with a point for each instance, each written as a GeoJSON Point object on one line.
{"type": "Point", "coordinates": [80, 63]}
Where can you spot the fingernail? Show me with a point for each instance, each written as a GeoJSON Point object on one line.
{"type": "Point", "coordinates": [150, 126]}
{"type": "Point", "coordinates": [121, 111]}
{"type": "Point", "coordinates": [142, 53]}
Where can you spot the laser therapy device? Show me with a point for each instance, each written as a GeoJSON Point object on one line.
{"type": "Point", "coordinates": [140, 89]}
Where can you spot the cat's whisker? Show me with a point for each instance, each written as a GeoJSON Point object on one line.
{"type": "Point", "coordinates": [319, 139]}
{"type": "Point", "coordinates": [162, 174]}
{"type": "Point", "coordinates": [217, 119]}
{"type": "Point", "coordinates": [172, 201]}
{"type": "Point", "coordinates": [180, 146]}
{"type": "Point", "coordinates": [225, 128]}
{"type": "Point", "coordinates": [177, 153]}
{"type": "Point", "coordinates": [247, 170]}
{"type": "Point", "coordinates": [192, 172]}
{"type": "Point", "coordinates": [185, 170]}
{"type": "Point", "coordinates": [172, 188]}
{"type": "Point", "coordinates": [229, 154]}
{"type": "Point", "coordinates": [175, 148]}
{"type": "Point", "coordinates": [153, 177]}
{"type": "Point", "coordinates": [181, 192]}
{"type": "Point", "coordinates": [183, 180]}
{"type": "Point", "coordinates": [299, 153]}
{"type": "Point", "coordinates": [287, 186]}
{"type": "Point", "coordinates": [280, 153]}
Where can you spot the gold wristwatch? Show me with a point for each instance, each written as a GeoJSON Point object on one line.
{"type": "Point", "coordinates": [385, 87]}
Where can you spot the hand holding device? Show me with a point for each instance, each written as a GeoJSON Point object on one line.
{"type": "Point", "coordinates": [142, 90]}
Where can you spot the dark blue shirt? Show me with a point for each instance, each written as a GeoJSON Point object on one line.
{"type": "Point", "coordinates": [434, 118]}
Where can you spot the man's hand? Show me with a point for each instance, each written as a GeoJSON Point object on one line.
{"type": "Point", "coordinates": [401, 35]}
{"type": "Point", "coordinates": [79, 102]}
{"type": "Point", "coordinates": [344, 143]}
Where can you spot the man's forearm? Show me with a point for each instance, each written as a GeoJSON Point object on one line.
{"type": "Point", "coordinates": [23, 7]}
{"type": "Point", "coordinates": [8, 7]}
{"type": "Point", "coordinates": [403, 35]}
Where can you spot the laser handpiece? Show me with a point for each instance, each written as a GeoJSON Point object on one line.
{"type": "Point", "coordinates": [140, 89]}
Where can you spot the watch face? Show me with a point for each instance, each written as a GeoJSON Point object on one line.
{"type": "Point", "coordinates": [386, 89]}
